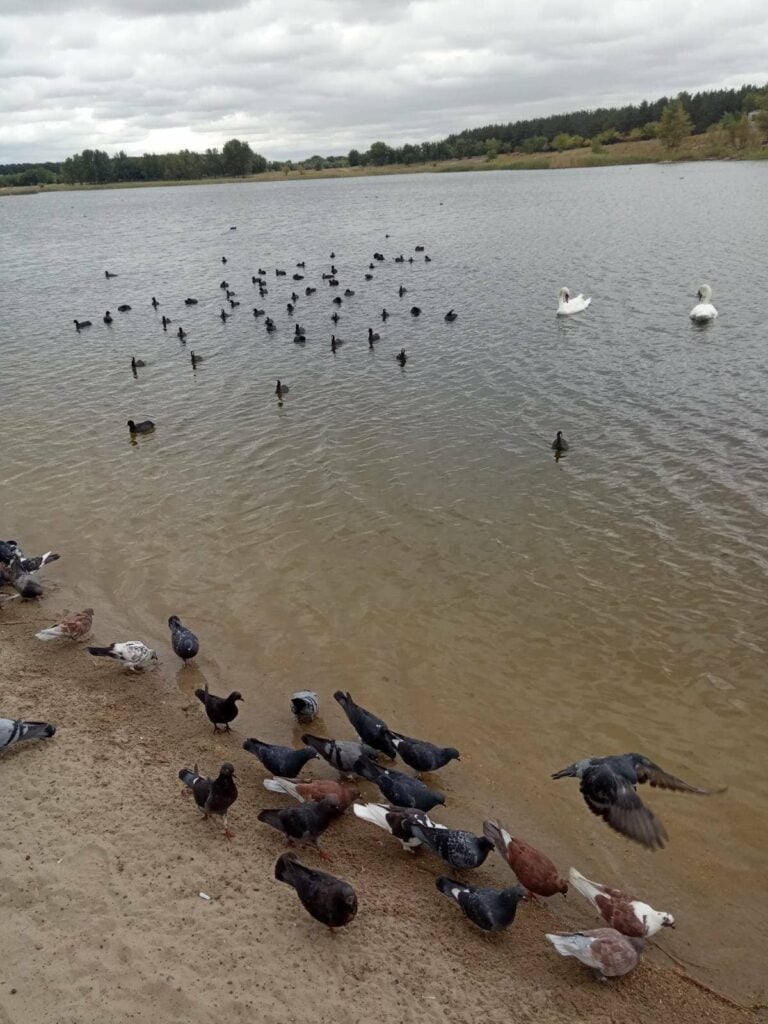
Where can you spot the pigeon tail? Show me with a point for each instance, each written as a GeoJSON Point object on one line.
{"type": "Point", "coordinates": [493, 831]}
{"type": "Point", "coordinates": [188, 776]}
{"type": "Point", "coordinates": [53, 633]}
{"type": "Point", "coordinates": [277, 785]}
{"type": "Point", "coordinates": [284, 868]}
{"type": "Point", "coordinates": [449, 886]}
{"type": "Point", "coordinates": [270, 816]}
{"type": "Point", "coordinates": [103, 652]}
{"type": "Point", "coordinates": [589, 890]}
{"type": "Point", "coordinates": [375, 813]}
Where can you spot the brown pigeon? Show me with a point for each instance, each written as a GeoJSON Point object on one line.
{"type": "Point", "coordinates": [533, 868]}
{"type": "Point", "coordinates": [609, 953]}
{"type": "Point", "coordinates": [621, 911]}
{"type": "Point", "coordinates": [315, 790]}
{"type": "Point", "coordinates": [73, 626]}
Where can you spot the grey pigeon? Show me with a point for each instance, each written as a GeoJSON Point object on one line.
{"type": "Point", "coordinates": [423, 756]}
{"type": "Point", "coordinates": [33, 564]}
{"type": "Point", "coordinates": [284, 761]}
{"type": "Point", "coordinates": [462, 850]}
{"type": "Point", "coordinates": [395, 820]}
{"type": "Point", "coordinates": [609, 953]}
{"type": "Point", "coordinates": [493, 910]}
{"type": "Point", "coordinates": [17, 730]}
{"type": "Point", "coordinates": [371, 729]}
{"type": "Point", "coordinates": [340, 754]}
{"type": "Point", "coordinates": [183, 640]}
{"type": "Point", "coordinates": [330, 900]}
{"type": "Point", "coordinates": [305, 823]}
{"type": "Point", "coordinates": [25, 585]}
{"type": "Point", "coordinates": [608, 787]}
{"type": "Point", "coordinates": [399, 789]}
{"type": "Point", "coordinates": [304, 705]}
{"type": "Point", "coordinates": [220, 710]}
{"type": "Point", "coordinates": [213, 796]}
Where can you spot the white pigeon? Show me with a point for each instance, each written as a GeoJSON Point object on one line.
{"type": "Point", "coordinates": [703, 311]}
{"type": "Point", "coordinates": [16, 730]}
{"type": "Point", "coordinates": [396, 821]}
{"type": "Point", "coordinates": [621, 911]}
{"type": "Point", "coordinates": [133, 653]}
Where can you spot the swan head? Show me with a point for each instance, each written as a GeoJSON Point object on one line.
{"type": "Point", "coordinates": [705, 293]}
{"type": "Point", "coordinates": [564, 295]}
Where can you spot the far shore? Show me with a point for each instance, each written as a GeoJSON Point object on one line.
{"type": "Point", "coordinates": [697, 147]}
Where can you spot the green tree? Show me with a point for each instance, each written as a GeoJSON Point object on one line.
{"type": "Point", "coordinates": [237, 158]}
{"type": "Point", "coordinates": [354, 158]}
{"type": "Point", "coordinates": [674, 126]}
{"type": "Point", "coordinates": [534, 144]}
{"type": "Point", "coordinates": [379, 154]}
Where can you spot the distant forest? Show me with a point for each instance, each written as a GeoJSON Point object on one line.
{"type": "Point", "coordinates": [725, 109]}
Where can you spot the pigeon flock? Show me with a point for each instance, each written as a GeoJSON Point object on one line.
{"type": "Point", "coordinates": [608, 785]}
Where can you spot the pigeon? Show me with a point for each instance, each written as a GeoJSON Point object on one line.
{"type": "Point", "coordinates": [305, 823]}
{"type": "Point", "coordinates": [621, 911]}
{"type": "Point", "coordinates": [316, 790]}
{"type": "Point", "coordinates": [423, 756]}
{"type": "Point", "coordinates": [609, 953]}
{"type": "Point", "coordinates": [280, 760]}
{"type": "Point", "coordinates": [371, 730]}
{"type": "Point", "coordinates": [304, 705]}
{"type": "Point", "coordinates": [342, 755]}
{"type": "Point", "coordinates": [183, 640]}
{"type": "Point", "coordinates": [74, 626]}
{"type": "Point", "coordinates": [9, 550]}
{"type": "Point", "coordinates": [462, 850]}
{"type": "Point", "coordinates": [397, 821]}
{"type": "Point", "coordinates": [493, 910]}
{"type": "Point", "coordinates": [328, 899]}
{"type": "Point", "coordinates": [213, 796]}
{"type": "Point", "coordinates": [559, 444]}
{"type": "Point", "coordinates": [25, 585]}
{"type": "Point", "coordinates": [133, 653]}
{"type": "Point", "coordinates": [33, 564]}
{"type": "Point", "coordinates": [534, 869]}
{"type": "Point", "coordinates": [608, 787]}
{"type": "Point", "coordinates": [220, 710]}
{"type": "Point", "coordinates": [399, 789]}
{"type": "Point", "coordinates": [17, 730]}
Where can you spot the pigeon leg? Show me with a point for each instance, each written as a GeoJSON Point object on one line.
{"type": "Point", "coordinates": [531, 897]}
{"type": "Point", "coordinates": [228, 833]}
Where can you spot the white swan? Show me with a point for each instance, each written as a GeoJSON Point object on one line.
{"type": "Point", "coordinates": [703, 310]}
{"type": "Point", "coordinates": [567, 305]}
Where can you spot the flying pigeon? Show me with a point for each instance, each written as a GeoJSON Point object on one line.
{"type": "Point", "coordinates": [316, 790]}
{"type": "Point", "coordinates": [401, 790]}
{"type": "Point", "coordinates": [280, 760]}
{"type": "Point", "coordinates": [329, 900]}
{"type": "Point", "coordinates": [213, 796]}
{"type": "Point", "coordinates": [305, 823]}
{"type": "Point", "coordinates": [371, 730]}
{"type": "Point", "coordinates": [220, 710]}
{"type": "Point", "coordinates": [462, 850]}
{"type": "Point", "coordinates": [74, 626]}
{"type": "Point", "coordinates": [422, 756]}
{"type": "Point", "coordinates": [493, 910]}
{"type": "Point", "coordinates": [16, 730]}
{"type": "Point", "coordinates": [183, 640]}
{"type": "Point", "coordinates": [534, 869]}
{"type": "Point", "coordinates": [304, 705]}
{"type": "Point", "coordinates": [133, 653]}
{"type": "Point", "coordinates": [25, 585]}
{"type": "Point", "coordinates": [621, 911]}
{"type": "Point", "coordinates": [608, 787]}
{"type": "Point", "coordinates": [342, 755]}
{"type": "Point", "coordinates": [609, 953]}
{"type": "Point", "coordinates": [33, 564]}
{"type": "Point", "coordinates": [397, 821]}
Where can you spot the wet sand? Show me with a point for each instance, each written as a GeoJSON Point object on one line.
{"type": "Point", "coordinates": [104, 857]}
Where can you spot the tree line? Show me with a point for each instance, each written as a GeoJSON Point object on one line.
{"type": "Point", "coordinates": [737, 117]}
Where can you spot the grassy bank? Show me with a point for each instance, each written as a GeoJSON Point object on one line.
{"type": "Point", "coordinates": [697, 147]}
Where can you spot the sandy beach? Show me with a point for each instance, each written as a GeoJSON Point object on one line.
{"type": "Point", "coordinates": [104, 857]}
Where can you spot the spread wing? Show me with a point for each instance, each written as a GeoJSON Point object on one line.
{"type": "Point", "coordinates": [649, 772]}
{"type": "Point", "coordinates": [613, 798]}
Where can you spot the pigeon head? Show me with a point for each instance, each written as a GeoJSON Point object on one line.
{"type": "Point", "coordinates": [227, 770]}
{"type": "Point", "coordinates": [452, 753]}
{"type": "Point", "coordinates": [153, 656]}
{"type": "Point", "coordinates": [668, 922]}
{"type": "Point", "coordinates": [483, 843]}
{"type": "Point", "coordinates": [174, 622]}
{"type": "Point", "coordinates": [235, 695]}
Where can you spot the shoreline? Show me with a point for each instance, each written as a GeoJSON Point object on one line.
{"type": "Point", "coordinates": [105, 858]}
{"type": "Point", "coordinates": [695, 149]}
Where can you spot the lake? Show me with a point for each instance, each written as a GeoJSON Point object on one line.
{"type": "Point", "coordinates": [405, 533]}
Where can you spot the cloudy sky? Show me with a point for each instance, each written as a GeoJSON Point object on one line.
{"type": "Point", "coordinates": [298, 77]}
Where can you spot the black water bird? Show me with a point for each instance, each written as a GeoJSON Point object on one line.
{"type": "Point", "coordinates": [80, 324]}
{"type": "Point", "coordinates": [107, 317]}
{"type": "Point", "coordinates": [559, 444]}
{"type": "Point", "coordinates": [402, 357]}
{"type": "Point", "coordinates": [144, 427]}
{"type": "Point", "coordinates": [450, 316]}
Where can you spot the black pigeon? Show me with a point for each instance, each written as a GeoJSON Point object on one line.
{"type": "Point", "coordinates": [462, 850]}
{"type": "Point", "coordinates": [183, 640]}
{"type": "Point", "coordinates": [371, 730]}
{"type": "Point", "coordinates": [16, 730]}
{"type": "Point", "coordinates": [220, 710]}
{"type": "Point", "coordinates": [608, 787]}
{"type": "Point", "coordinates": [493, 910]}
{"type": "Point", "coordinates": [283, 761]}
{"type": "Point", "coordinates": [213, 796]}
{"type": "Point", "coordinates": [395, 820]}
{"type": "Point", "coordinates": [329, 900]}
{"type": "Point", "coordinates": [423, 756]}
{"type": "Point", "coordinates": [8, 551]}
{"type": "Point", "coordinates": [304, 705]}
{"type": "Point", "coordinates": [399, 789]}
{"type": "Point", "coordinates": [342, 755]}
{"type": "Point", "coordinates": [305, 823]}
